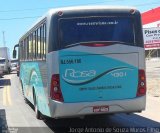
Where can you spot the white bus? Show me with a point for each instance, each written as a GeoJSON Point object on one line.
{"type": "Point", "coordinates": [79, 61]}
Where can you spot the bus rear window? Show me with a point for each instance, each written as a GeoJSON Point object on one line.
{"type": "Point", "coordinates": [96, 29]}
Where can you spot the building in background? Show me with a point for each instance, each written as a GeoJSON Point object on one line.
{"type": "Point", "coordinates": [151, 32]}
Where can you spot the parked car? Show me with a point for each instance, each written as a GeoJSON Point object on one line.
{"type": "Point", "coordinates": [14, 67]}
{"type": "Point", "coordinates": [4, 65]}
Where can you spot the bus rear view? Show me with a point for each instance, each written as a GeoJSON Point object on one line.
{"type": "Point", "coordinates": [100, 62]}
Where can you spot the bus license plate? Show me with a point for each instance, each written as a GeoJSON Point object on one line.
{"type": "Point", "coordinates": [100, 109]}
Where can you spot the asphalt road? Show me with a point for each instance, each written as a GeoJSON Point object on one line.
{"type": "Point", "coordinates": [17, 116]}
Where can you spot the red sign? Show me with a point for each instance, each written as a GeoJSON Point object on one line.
{"type": "Point", "coordinates": [152, 46]}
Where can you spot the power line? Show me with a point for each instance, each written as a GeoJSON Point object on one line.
{"type": "Point", "coordinates": [149, 3]}
{"type": "Point", "coordinates": [99, 2]}
{"type": "Point", "coordinates": [42, 8]}
{"type": "Point", "coordinates": [19, 18]}
{"type": "Point", "coordinates": [32, 9]}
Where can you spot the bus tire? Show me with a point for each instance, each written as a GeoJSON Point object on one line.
{"type": "Point", "coordinates": [37, 112]}
{"type": "Point", "coordinates": [25, 99]}
{"type": "Point", "coordinates": [9, 70]}
{"type": "Point", "coordinates": [17, 74]}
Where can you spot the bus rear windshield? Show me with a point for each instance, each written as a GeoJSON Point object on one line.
{"type": "Point", "coordinates": [96, 29]}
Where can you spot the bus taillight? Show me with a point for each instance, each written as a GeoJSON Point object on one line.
{"type": "Point", "coordinates": [55, 92]}
{"type": "Point", "coordinates": [97, 44]}
{"type": "Point", "coordinates": [141, 91]}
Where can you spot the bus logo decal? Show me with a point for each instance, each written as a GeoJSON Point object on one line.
{"type": "Point", "coordinates": [71, 78]}
{"type": "Point", "coordinates": [79, 74]}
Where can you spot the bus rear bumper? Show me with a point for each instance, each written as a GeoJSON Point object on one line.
{"type": "Point", "coordinates": [68, 110]}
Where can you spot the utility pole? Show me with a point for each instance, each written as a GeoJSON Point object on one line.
{"type": "Point", "coordinates": [4, 42]}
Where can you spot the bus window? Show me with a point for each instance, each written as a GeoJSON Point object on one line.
{"type": "Point", "coordinates": [79, 30]}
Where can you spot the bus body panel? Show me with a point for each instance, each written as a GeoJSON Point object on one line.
{"type": "Point", "coordinates": [118, 100]}
{"type": "Point", "coordinates": [90, 77]}
{"type": "Point", "coordinates": [34, 78]}
{"type": "Point", "coordinates": [111, 52]}
{"type": "Point", "coordinates": [67, 110]}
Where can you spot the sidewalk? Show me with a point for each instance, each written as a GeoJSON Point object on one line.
{"type": "Point", "coordinates": [152, 108]}
{"type": "Point", "coordinates": [153, 77]}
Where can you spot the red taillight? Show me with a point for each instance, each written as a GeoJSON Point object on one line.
{"type": "Point", "coordinates": [141, 91]}
{"type": "Point", "coordinates": [55, 92]}
{"type": "Point", "coordinates": [97, 44]}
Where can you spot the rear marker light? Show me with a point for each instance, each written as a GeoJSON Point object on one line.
{"type": "Point", "coordinates": [142, 84]}
{"type": "Point", "coordinates": [141, 91]}
{"type": "Point", "coordinates": [132, 11]}
{"type": "Point", "coordinates": [54, 83]}
{"type": "Point", "coordinates": [55, 91]}
{"type": "Point", "coordinates": [60, 13]}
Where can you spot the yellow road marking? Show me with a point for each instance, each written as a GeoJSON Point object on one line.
{"type": "Point", "coordinates": [7, 96]}
{"type": "Point", "coordinates": [4, 96]}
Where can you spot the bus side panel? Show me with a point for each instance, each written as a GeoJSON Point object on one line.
{"type": "Point", "coordinates": [34, 75]}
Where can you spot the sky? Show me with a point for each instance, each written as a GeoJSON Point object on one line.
{"type": "Point", "coordinates": [17, 16]}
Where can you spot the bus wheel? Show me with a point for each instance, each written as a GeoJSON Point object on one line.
{"type": "Point", "coordinates": [9, 70]}
{"type": "Point", "coordinates": [21, 85]}
{"type": "Point", "coordinates": [37, 112]}
{"type": "Point", "coordinates": [17, 74]}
